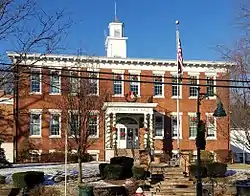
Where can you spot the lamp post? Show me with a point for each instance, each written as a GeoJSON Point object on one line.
{"type": "Point", "coordinates": [219, 112]}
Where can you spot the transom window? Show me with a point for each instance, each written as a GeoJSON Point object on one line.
{"type": "Point", "coordinates": [210, 125]}
{"type": "Point", "coordinates": [159, 125]}
{"type": "Point", "coordinates": [210, 87]}
{"type": "Point", "coordinates": [134, 84]}
{"type": "Point", "coordinates": [158, 85]}
{"type": "Point", "coordinates": [93, 83]}
{"type": "Point", "coordinates": [35, 81]}
{"type": "Point", "coordinates": [55, 82]}
{"type": "Point", "coordinates": [192, 122]}
{"type": "Point", "coordinates": [55, 124]}
{"type": "Point", "coordinates": [117, 84]}
{"type": "Point", "coordinates": [176, 92]}
{"type": "Point", "coordinates": [35, 124]}
{"type": "Point", "coordinates": [193, 80]}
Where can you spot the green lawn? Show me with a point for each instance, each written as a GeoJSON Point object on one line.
{"type": "Point", "coordinates": [238, 166]}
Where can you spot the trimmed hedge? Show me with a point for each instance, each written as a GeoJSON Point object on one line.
{"type": "Point", "coordinates": [216, 169]}
{"type": "Point", "coordinates": [139, 173]}
{"type": "Point", "coordinates": [113, 172]}
{"type": "Point", "coordinates": [27, 179]}
{"type": "Point", "coordinates": [126, 163]}
{"type": "Point", "coordinates": [101, 169]}
{"type": "Point", "coordinates": [193, 171]}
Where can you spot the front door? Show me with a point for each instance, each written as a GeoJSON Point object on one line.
{"type": "Point", "coordinates": [127, 136]}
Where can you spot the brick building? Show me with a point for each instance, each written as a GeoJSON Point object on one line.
{"type": "Point", "coordinates": [140, 100]}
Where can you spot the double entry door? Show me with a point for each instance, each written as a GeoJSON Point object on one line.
{"type": "Point", "coordinates": [127, 136]}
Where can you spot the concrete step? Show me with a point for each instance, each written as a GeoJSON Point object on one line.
{"type": "Point", "coordinates": [176, 182]}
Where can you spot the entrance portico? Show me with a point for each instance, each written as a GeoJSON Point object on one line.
{"type": "Point", "coordinates": [122, 123]}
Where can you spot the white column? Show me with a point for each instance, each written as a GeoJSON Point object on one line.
{"type": "Point", "coordinates": [107, 131]}
{"type": "Point", "coordinates": [114, 133]}
{"type": "Point", "coordinates": [145, 133]}
{"type": "Point", "coordinates": [151, 141]}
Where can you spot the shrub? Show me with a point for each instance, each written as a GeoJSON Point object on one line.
{"type": "Point", "coordinates": [27, 179]}
{"type": "Point", "coordinates": [126, 162]}
{"type": "Point", "coordinates": [223, 156]}
{"type": "Point", "coordinates": [101, 169]}
{"type": "Point", "coordinates": [113, 171]}
{"type": "Point", "coordinates": [139, 173]}
{"type": "Point", "coordinates": [216, 169]}
{"type": "Point", "coordinates": [208, 156]}
{"type": "Point", "coordinates": [2, 179]}
{"type": "Point", "coordinates": [193, 171]}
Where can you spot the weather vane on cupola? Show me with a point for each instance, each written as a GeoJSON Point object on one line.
{"type": "Point", "coordinates": [116, 19]}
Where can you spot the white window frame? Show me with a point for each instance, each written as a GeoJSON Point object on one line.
{"type": "Point", "coordinates": [133, 72]}
{"type": "Point", "coordinates": [97, 113]}
{"type": "Point", "coordinates": [121, 72]}
{"type": "Point", "coordinates": [55, 112]}
{"type": "Point", "coordinates": [68, 127]}
{"type": "Point", "coordinates": [180, 118]}
{"type": "Point", "coordinates": [97, 81]}
{"type": "Point", "coordinates": [78, 83]}
{"type": "Point", "coordinates": [162, 115]}
{"type": "Point", "coordinates": [59, 75]}
{"type": "Point", "coordinates": [40, 76]}
{"type": "Point", "coordinates": [192, 74]}
{"type": "Point", "coordinates": [94, 152]}
{"type": "Point", "coordinates": [192, 114]}
{"type": "Point", "coordinates": [211, 75]}
{"type": "Point", "coordinates": [215, 127]}
{"type": "Point", "coordinates": [37, 112]}
{"type": "Point", "coordinates": [159, 74]}
{"type": "Point", "coordinates": [180, 87]}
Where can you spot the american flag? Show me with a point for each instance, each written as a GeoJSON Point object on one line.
{"type": "Point", "coordinates": [179, 57]}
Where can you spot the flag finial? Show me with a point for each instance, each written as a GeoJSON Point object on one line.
{"type": "Point", "coordinates": [116, 19]}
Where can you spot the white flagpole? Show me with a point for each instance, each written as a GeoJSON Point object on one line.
{"type": "Point", "coordinates": [66, 162]}
{"type": "Point", "coordinates": [178, 89]}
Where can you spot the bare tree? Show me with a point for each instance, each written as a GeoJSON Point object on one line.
{"type": "Point", "coordinates": [82, 110]}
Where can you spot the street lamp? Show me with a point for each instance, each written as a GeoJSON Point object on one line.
{"type": "Point", "coordinates": [219, 112]}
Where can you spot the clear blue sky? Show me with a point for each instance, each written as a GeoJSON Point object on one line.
{"type": "Point", "coordinates": [150, 26]}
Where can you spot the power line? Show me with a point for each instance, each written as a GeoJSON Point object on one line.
{"type": "Point", "coordinates": [76, 69]}
{"type": "Point", "coordinates": [126, 80]}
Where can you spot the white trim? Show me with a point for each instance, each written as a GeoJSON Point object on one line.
{"type": "Point", "coordinates": [52, 151]}
{"type": "Point", "coordinates": [118, 71]}
{"type": "Point", "coordinates": [60, 121]}
{"type": "Point", "coordinates": [38, 112]}
{"type": "Point", "coordinates": [161, 74]}
{"type": "Point", "coordinates": [214, 79]}
{"type": "Point", "coordinates": [174, 74]}
{"type": "Point", "coordinates": [60, 82]}
{"type": "Point", "coordinates": [162, 115]}
{"type": "Point", "coordinates": [155, 72]}
{"type": "Point", "coordinates": [55, 111]}
{"type": "Point", "coordinates": [215, 127]}
{"type": "Point", "coordinates": [40, 74]}
{"type": "Point", "coordinates": [198, 82]}
{"type": "Point", "coordinates": [136, 72]}
{"type": "Point", "coordinates": [122, 83]}
{"type": "Point", "coordinates": [7, 101]}
{"type": "Point", "coordinates": [94, 152]}
{"type": "Point", "coordinates": [194, 73]}
{"type": "Point", "coordinates": [191, 114]}
{"type": "Point", "coordinates": [158, 151]}
{"type": "Point", "coordinates": [180, 133]}
{"type": "Point", "coordinates": [97, 113]}
{"type": "Point", "coordinates": [98, 81]}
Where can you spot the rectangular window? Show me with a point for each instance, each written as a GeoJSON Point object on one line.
{"type": "Point", "coordinates": [210, 125]}
{"type": "Point", "coordinates": [193, 81]}
{"type": "Point", "coordinates": [74, 124]}
{"type": "Point", "coordinates": [55, 125]}
{"type": "Point", "coordinates": [134, 84]}
{"type": "Point", "coordinates": [35, 81]}
{"type": "Point", "coordinates": [93, 84]}
{"type": "Point", "coordinates": [210, 89]}
{"type": "Point", "coordinates": [74, 82]}
{"type": "Point", "coordinates": [158, 85]}
{"type": "Point", "coordinates": [174, 126]}
{"type": "Point", "coordinates": [117, 84]}
{"type": "Point", "coordinates": [174, 87]}
{"type": "Point", "coordinates": [55, 82]}
{"type": "Point", "coordinates": [93, 125]}
{"type": "Point", "coordinates": [159, 126]}
{"type": "Point", "coordinates": [192, 122]}
{"type": "Point", "coordinates": [35, 124]}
